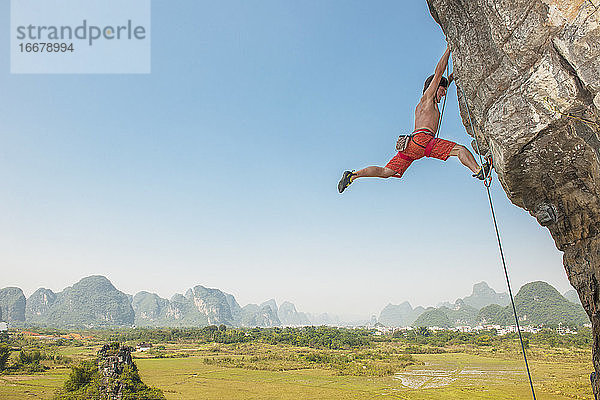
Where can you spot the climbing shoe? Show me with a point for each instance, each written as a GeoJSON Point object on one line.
{"type": "Point", "coordinates": [345, 181]}
{"type": "Point", "coordinates": [485, 169]}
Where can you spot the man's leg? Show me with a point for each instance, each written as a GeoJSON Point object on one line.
{"type": "Point", "coordinates": [376, 172]}
{"type": "Point", "coordinates": [373, 172]}
{"type": "Point", "coordinates": [465, 157]}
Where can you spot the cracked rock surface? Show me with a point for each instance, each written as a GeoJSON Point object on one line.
{"type": "Point", "coordinates": [530, 74]}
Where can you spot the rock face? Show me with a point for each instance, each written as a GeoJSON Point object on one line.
{"type": "Point", "coordinates": [213, 303]}
{"type": "Point", "coordinates": [530, 72]}
{"type": "Point", "coordinates": [12, 305]}
{"type": "Point", "coordinates": [112, 360]}
{"type": "Point", "coordinates": [271, 303]}
{"type": "Point", "coordinates": [152, 310]}
{"type": "Point", "coordinates": [39, 303]}
{"type": "Point", "coordinates": [199, 307]}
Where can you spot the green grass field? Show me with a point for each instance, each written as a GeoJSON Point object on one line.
{"type": "Point", "coordinates": [259, 371]}
{"type": "Point", "coordinates": [447, 376]}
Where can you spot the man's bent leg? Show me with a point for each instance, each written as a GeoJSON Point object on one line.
{"type": "Point", "coordinates": [373, 172]}
{"type": "Point", "coordinates": [465, 157]}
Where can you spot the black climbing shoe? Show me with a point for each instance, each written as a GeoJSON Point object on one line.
{"type": "Point", "coordinates": [485, 169]}
{"type": "Point", "coordinates": [345, 181]}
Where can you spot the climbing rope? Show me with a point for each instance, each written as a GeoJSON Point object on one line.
{"type": "Point", "coordinates": [512, 300]}
{"type": "Point", "coordinates": [554, 108]}
{"type": "Point", "coordinates": [437, 132]}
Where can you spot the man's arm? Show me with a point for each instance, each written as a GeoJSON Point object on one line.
{"type": "Point", "coordinates": [439, 72]}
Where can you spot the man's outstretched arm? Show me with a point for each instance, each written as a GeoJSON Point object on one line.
{"type": "Point", "coordinates": [437, 77]}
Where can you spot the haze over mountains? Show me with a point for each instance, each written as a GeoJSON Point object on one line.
{"type": "Point", "coordinates": [94, 302]}
{"type": "Point", "coordinates": [536, 302]}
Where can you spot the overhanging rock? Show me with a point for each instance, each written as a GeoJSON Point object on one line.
{"type": "Point", "coordinates": [530, 71]}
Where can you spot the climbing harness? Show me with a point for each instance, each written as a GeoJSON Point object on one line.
{"type": "Point", "coordinates": [512, 300]}
{"type": "Point", "coordinates": [554, 108]}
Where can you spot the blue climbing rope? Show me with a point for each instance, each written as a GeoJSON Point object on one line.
{"type": "Point", "coordinates": [437, 132]}
{"type": "Point", "coordinates": [487, 185]}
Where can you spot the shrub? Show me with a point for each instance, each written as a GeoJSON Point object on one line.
{"type": "Point", "coordinates": [81, 375]}
{"type": "Point", "coordinates": [4, 354]}
{"type": "Point", "coordinates": [483, 340]}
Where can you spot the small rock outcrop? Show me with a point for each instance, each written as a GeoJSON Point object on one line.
{"type": "Point", "coordinates": [111, 376]}
{"type": "Point", "coordinates": [112, 360]}
{"type": "Point", "coordinates": [529, 72]}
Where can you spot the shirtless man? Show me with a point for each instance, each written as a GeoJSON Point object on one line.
{"type": "Point", "coordinates": [423, 142]}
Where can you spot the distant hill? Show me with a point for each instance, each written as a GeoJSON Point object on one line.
{"type": "Point", "coordinates": [213, 303]}
{"type": "Point", "coordinates": [93, 302]}
{"type": "Point", "coordinates": [399, 315]}
{"type": "Point", "coordinates": [271, 303]}
{"type": "Point", "coordinates": [489, 314]}
{"type": "Point", "coordinates": [323, 319]}
{"type": "Point", "coordinates": [572, 296]}
{"type": "Point", "coordinates": [433, 317]}
{"type": "Point", "coordinates": [39, 303]}
{"type": "Point", "coordinates": [12, 305]}
{"type": "Point", "coordinates": [263, 316]}
{"type": "Point", "coordinates": [199, 307]}
{"type": "Point", "coordinates": [289, 316]}
{"type": "Point", "coordinates": [537, 303]}
{"type": "Point", "coordinates": [461, 314]}
{"type": "Point", "coordinates": [184, 313]}
{"type": "Point", "coordinates": [152, 310]}
{"type": "Point", "coordinates": [484, 295]}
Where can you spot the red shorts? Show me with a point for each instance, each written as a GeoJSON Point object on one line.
{"type": "Point", "coordinates": [422, 144]}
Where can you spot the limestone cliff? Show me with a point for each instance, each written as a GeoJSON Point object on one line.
{"type": "Point", "coordinates": [39, 303]}
{"type": "Point", "coordinates": [12, 305]}
{"type": "Point", "coordinates": [530, 71]}
{"type": "Point", "coordinates": [93, 302]}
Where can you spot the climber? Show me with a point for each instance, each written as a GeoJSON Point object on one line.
{"type": "Point", "coordinates": [423, 142]}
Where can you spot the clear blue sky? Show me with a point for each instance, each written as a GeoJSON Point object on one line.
{"type": "Point", "coordinates": [220, 167]}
